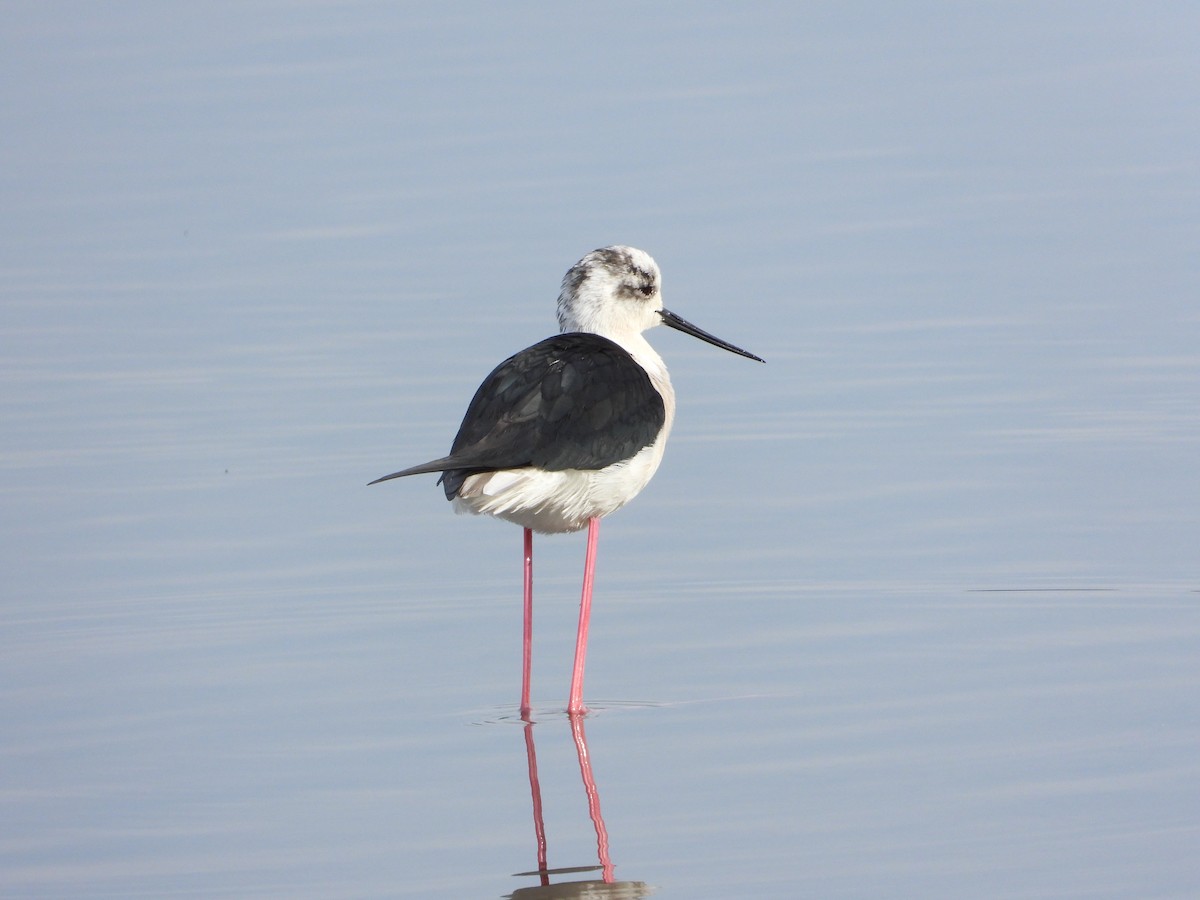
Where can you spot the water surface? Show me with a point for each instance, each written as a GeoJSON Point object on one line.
{"type": "Point", "coordinates": [910, 610]}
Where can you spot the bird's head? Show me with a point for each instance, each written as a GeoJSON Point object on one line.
{"type": "Point", "coordinates": [613, 291]}
{"type": "Point", "coordinates": [617, 292]}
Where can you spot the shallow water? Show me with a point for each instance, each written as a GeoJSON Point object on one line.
{"type": "Point", "coordinates": [913, 609]}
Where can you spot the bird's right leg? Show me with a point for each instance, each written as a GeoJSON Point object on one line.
{"type": "Point", "coordinates": [527, 632]}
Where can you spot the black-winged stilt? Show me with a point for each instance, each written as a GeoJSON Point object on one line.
{"type": "Point", "coordinates": [571, 429]}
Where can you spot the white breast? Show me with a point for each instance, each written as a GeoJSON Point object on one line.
{"type": "Point", "coordinates": [562, 501]}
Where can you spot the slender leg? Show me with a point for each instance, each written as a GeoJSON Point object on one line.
{"type": "Point", "coordinates": [575, 704]}
{"type": "Point", "coordinates": [527, 631]}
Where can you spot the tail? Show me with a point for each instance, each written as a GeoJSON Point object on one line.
{"type": "Point", "coordinates": [437, 465]}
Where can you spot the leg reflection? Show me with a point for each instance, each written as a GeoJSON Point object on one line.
{"type": "Point", "coordinates": [606, 888]}
{"type": "Point", "coordinates": [593, 796]}
{"type": "Point", "coordinates": [535, 788]}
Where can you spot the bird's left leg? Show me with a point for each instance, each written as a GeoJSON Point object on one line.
{"type": "Point", "coordinates": [575, 704]}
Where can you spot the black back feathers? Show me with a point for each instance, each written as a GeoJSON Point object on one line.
{"type": "Point", "coordinates": [572, 401]}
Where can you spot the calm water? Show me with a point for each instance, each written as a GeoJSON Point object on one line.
{"type": "Point", "coordinates": [913, 610]}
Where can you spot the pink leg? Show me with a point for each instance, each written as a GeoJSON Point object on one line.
{"type": "Point", "coordinates": [527, 631]}
{"type": "Point", "coordinates": [575, 704]}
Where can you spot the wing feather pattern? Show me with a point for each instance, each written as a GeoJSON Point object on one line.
{"type": "Point", "coordinates": [572, 401]}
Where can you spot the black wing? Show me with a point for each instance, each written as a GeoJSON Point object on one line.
{"type": "Point", "coordinates": [573, 401]}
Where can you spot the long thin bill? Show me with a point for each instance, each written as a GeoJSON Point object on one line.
{"type": "Point", "coordinates": [681, 324]}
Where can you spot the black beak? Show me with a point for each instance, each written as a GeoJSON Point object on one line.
{"type": "Point", "coordinates": [680, 324]}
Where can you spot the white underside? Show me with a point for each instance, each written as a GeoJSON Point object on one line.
{"type": "Point", "coordinates": [556, 502]}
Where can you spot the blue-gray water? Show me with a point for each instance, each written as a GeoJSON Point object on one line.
{"type": "Point", "coordinates": [912, 610]}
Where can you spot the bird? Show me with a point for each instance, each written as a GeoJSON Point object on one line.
{"type": "Point", "coordinates": [569, 430]}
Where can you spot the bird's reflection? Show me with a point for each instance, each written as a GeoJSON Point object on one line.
{"type": "Point", "coordinates": [606, 887]}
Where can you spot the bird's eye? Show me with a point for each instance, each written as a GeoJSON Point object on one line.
{"type": "Point", "coordinates": [647, 290]}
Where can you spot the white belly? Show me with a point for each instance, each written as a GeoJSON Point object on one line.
{"type": "Point", "coordinates": [556, 502]}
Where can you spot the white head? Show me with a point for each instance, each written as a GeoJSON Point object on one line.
{"type": "Point", "coordinates": [614, 291]}
{"type": "Point", "coordinates": [617, 292]}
